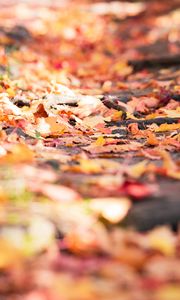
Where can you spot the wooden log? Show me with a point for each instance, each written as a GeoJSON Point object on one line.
{"type": "Point", "coordinates": [149, 214]}
{"type": "Point", "coordinates": [156, 62]}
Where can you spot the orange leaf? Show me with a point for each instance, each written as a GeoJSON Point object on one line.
{"type": "Point", "coordinates": [151, 139]}
{"type": "Point", "coordinates": [133, 128]}
{"type": "Point", "coordinates": [55, 127]}
{"type": "Point", "coordinates": [19, 153]}
{"type": "Point", "coordinates": [134, 146]}
{"type": "Point", "coordinates": [40, 112]}
{"type": "Point", "coordinates": [9, 255]}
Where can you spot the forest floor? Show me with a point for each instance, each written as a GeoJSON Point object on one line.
{"type": "Point", "coordinates": [89, 150]}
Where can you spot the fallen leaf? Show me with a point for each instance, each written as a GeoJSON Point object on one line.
{"type": "Point", "coordinates": [112, 209]}
{"type": "Point", "coordinates": [163, 240]}
{"type": "Point", "coordinates": [151, 139]}
{"type": "Point", "coordinates": [136, 189]}
{"type": "Point", "coordinates": [19, 153]}
{"type": "Point", "coordinates": [134, 146]}
{"type": "Point", "coordinates": [100, 141]}
{"type": "Point", "coordinates": [138, 169]}
{"type": "Point", "coordinates": [167, 127]}
{"type": "Point", "coordinates": [55, 192]}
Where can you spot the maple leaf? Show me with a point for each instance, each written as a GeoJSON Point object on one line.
{"type": "Point", "coordinates": [50, 126]}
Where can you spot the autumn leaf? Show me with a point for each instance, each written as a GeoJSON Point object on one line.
{"type": "Point", "coordinates": [50, 126]}
{"type": "Point", "coordinates": [9, 255]}
{"type": "Point", "coordinates": [134, 146]}
{"type": "Point", "coordinates": [112, 209]}
{"type": "Point", "coordinates": [163, 240]}
{"type": "Point", "coordinates": [55, 192]}
{"type": "Point", "coordinates": [19, 153]}
{"type": "Point", "coordinates": [122, 68]}
{"type": "Point", "coordinates": [100, 141]}
{"type": "Point", "coordinates": [167, 127]}
{"type": "Point", "coordinates": [151, 139]}
{"type": "Point", "coordinates": [169, 165]}
{"type": "Point", "coordinates": [55, 127]}
{"type": "Point", "coordinates": [136, 190]}
{"type": "Point", "coordinates": [138, 169]}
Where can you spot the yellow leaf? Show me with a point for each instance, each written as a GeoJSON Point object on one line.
{"type": "Point", "coordinates": [152, 116]}
{"type": "Point", "coordinates": [122, 68]}
{"type": "Point", "coordinates": [10, 92]}
{"type": "Point", "coordinates": [100, 141]}
{"type": "Point", "coordinates": [167, 127]}
{"type": "Point", "coordinates": [177, 88]}
{"type": "Point", "coordinates": [88, 166]}
{"type": "Point", "coordinates": [162, 239]}
{"type": "Point", "coordinates": [117, 115]}
{"type": "Point", "coordinates": [138, 169]}
{"type": "Point", "coordinates": [168, 292]}
{"type": "Point", "coordinates": [130, 116]}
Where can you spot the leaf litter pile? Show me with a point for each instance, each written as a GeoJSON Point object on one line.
{"type": "Point", "coordinates": [89, 150]}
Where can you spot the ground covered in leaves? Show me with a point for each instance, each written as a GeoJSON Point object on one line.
{"type": "Point", "coordinates": [89, 150]}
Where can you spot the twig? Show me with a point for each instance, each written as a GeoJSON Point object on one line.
{"type": "Point", "coordinates": [156, 62]}
{"type": "Point", "coordinates": [142, 124]}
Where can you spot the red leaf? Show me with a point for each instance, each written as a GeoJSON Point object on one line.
{"type": "Point", "coordinates": [136, 189]}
